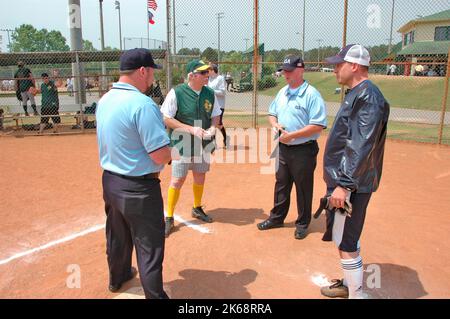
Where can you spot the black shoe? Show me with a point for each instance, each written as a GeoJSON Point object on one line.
{"type": "Point", "coordinates": [35, 113]}
{"type": "Point", "coordinates": [300, 233]}
{"type": "Point", "coordinates": [198, 212]}
{"type": "Point", "coordinates": [26, 113]}
{"type": "Point", "coordinates": [115, 288]}
{"type": "Point", "coordinates": [268, 224]}
{"type": "Point", "coordinates": [169, 226]}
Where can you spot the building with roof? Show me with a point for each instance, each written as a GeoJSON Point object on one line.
{"type": "Point", "coordinates": [425, 42]}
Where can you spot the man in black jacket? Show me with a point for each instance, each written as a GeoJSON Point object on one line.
{"type": "Point", "coordinates": [353, 161]}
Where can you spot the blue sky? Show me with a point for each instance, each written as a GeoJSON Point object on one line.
{"type": "Point", "coordinates": [280, 20]}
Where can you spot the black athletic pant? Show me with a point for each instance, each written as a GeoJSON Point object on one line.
{"type": "Point", "coordinates": [296, 165]}
{"type": "Point", "coordinates": [134, 215]}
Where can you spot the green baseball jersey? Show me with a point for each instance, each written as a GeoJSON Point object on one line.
{"type": "Point", "coordinates": [49, 95]}
{"type": "Point", "coordinates": [194, 110]}
{"type": "Point", "coordinates": [23, 85]}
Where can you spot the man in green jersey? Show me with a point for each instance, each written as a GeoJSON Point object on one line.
{"type": "Point", "coordinates": [191, 114]}
{"type": "Point", "coordinates": [50, 104]}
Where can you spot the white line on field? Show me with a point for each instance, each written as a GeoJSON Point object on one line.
{"type": "Point", "coordinates": [93, 229]}
{"type": "Point", "coordinates": [199, 228]}
{"type": "Point", "coordinates": [443, 175]}
{"type": "Point", "coordinates": [320, 280]}
{"type": "Point", "coordinates": [52, 243]}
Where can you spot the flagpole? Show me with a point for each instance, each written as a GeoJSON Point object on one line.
{"type": "Point", "coordinates": [168, 55]}
{"type": "Point", "coordinates": [148, 27]}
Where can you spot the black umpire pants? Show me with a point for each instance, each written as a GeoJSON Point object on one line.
{"type": "Point", "coordinates": [134, 215]}
{"type": "Point", "coordinates": [296, 165]}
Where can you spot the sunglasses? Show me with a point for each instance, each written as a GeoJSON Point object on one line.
{"type": "Point", "coordinates": [202, 72]}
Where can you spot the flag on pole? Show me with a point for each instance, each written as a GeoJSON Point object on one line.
{"type": "Point", "coordinates": [150, 17]}
{"type": "Point", "coordinates": [152, 4]}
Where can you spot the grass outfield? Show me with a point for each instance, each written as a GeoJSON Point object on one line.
{"type": "Point", "coordinates": [398, 130]}
{"type": "Point", "coordinates": [423, 93]}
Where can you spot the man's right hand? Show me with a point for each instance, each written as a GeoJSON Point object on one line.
{"type": "Point", "coordinates": [197, 131]}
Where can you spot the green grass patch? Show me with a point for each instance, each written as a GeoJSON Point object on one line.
{"type": "Point", "coordinates": [423, 93]}
{"type": "Point", "coordinates": [396, 130]}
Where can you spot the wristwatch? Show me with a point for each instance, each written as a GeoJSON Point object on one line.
{"type": "Point", "coordinates": [346, 188]}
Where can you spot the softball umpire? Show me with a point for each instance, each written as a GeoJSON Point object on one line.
{"type": "Point", "coordinates": [298, 112]}
{"type": "Point", "coordinates": [133, 147]}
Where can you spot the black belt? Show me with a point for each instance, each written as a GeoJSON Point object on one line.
{"type": "Point", "coordinates": [147, 176]}
{"type": "Point", "coordinates": [302, 144]}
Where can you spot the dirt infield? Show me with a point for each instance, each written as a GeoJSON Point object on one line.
{"type": "Point", "coordinates": [50, 189]}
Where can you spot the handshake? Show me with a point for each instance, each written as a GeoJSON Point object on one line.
{"type": "Point", "coordinates": [325, 204]}
{"type": "Point", "coordinates": [204, 134]}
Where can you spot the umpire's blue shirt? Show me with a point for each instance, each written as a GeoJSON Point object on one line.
{"type": "Point", "coordinates": [297, 108]}
{"type": "Point", "coordinates": [129, 127]}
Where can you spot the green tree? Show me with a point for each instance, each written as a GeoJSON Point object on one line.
{"type": "Point", "coordinates": [88, 46]}
{"type": "Point", "coordinates": [210, 54]}
{"type": "Point", "coordinates": [26, 38]}
{"type": "Point", "coordinates": [187, 51]}
{"type": "Point", "coordinates": [55, 41]}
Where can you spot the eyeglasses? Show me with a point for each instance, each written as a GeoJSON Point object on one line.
{"type": "Point", "coordinates": [202, 72]}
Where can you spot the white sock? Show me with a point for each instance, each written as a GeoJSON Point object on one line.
{"type": "Point", "coordinates": [358, 250]}
{"type": "Point", "coordinates": [353, 276]}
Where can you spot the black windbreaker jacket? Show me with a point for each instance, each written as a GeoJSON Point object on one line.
{"type": "Point", "coordinates": [354, 152]}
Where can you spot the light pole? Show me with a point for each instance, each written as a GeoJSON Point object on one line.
{"type": "Point", "coordinates": [102, 40]}
{"type": "Point", "coordinates": [120, 24]}
{"type": "Point", "coordinates": [392, 26]}
{"type": "Point", "coordinates": [102, 43]}
{"type": "Point", "coordinates": [9, 39]}
{"type": "Point", "coordinates": [303, 37]}
{"type": "Point", "coordinates": [318, 51]}
{"type": "Point", "coordinates": [174, 27]}
{"type": "Point", "coordinates": [246, 45]}
{"type": "Point", "coordinates": [220, 15]}
{"type": "Point", "coordinates": [182, 37]}
{"type": "Point", "coordinates": [174, 37]}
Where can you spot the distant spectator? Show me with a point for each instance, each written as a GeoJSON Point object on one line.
{"type": "Point", "coordinates": [392, 69]}
{"type": "Point", "coordinates": [69, 85]}
{"type": "Point", "coordinates": [419, 70]}
{"type": "Point", "coordinates": [5, 84]}
{"type": "Point", "coordinates": [89, 86]}
{"type": "Point", "coordinates": [25, 81]}
{"type": "Point", "coordinates": [431, 72]}
{"type": "Point", "coordinates": [229, 80]}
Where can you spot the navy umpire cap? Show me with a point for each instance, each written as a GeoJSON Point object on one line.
{"type": "Point", "coordinates": [291, 62]}
{"type": "Point", "coordinates": [135, 58]}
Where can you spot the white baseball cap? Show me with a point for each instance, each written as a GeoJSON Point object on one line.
{"type": "Point", "coordinates": [353, 53]}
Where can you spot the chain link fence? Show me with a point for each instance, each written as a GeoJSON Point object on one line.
{"type": "Point", "coordinates": [408, 40]}
{"type": "Point", "coordinates": [79, 78]}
